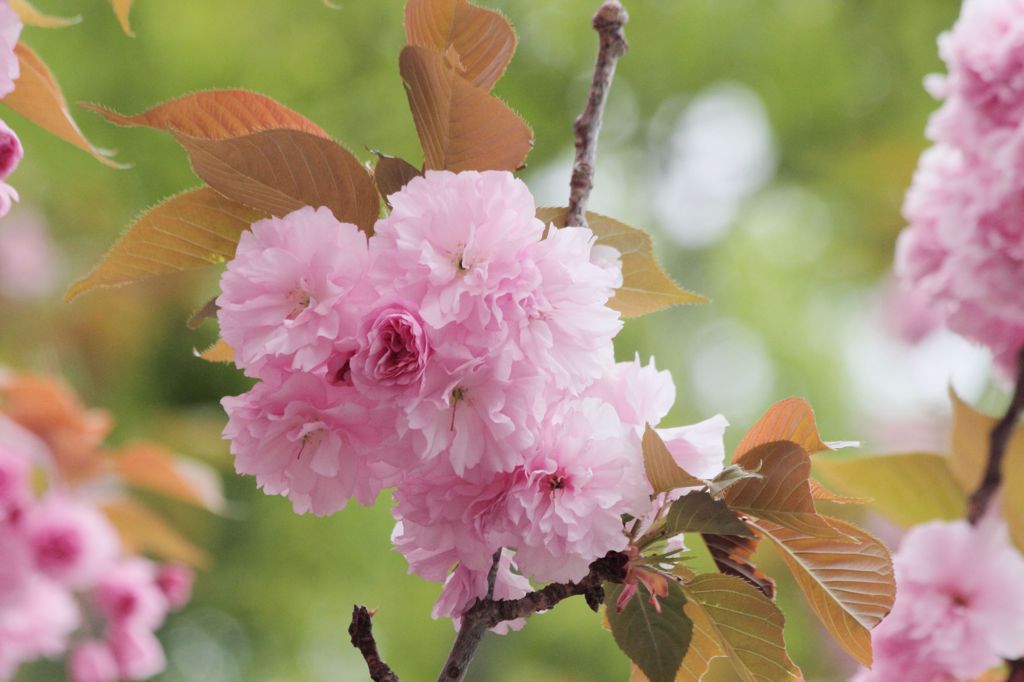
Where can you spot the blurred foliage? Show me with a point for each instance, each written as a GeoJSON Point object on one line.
{"type": "Point", "coordinates": [841, 84]}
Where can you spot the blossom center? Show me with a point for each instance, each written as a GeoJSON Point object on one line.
{"type": "Point", "coordinates": [300, 301]}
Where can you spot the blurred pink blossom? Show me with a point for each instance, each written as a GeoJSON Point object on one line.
{"type": "Point", "coordinates": [29, 262]}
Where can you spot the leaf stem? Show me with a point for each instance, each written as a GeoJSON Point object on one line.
{"type": "Point", "coordinates": [998, 441]}
{"type": "Point", "coordinates": [608, 22]}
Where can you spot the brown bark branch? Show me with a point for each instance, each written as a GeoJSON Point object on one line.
{"type": "Point", "coordinates": [999, 439]}
{"type": "Point", "coordinates": [361, 632]}
{"type": "Point", "coordinates": [487, 613]}
{"type": "Point", "coordinates": [608, 22]}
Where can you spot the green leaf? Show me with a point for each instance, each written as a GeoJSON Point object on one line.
{"type": "Point", "coordinates": [279, 171]}
{"type": "Point", "coordinates": [662, 471]}
{"type": "Point", "coordinates": [698, 512]}
{"type": "Point", "coordinates": [728, 477]}
{"type": "Point", "coordinates": [646, 288]}
{"type": "Point", "coordinates": [192, 230]}
{"type": "Point", "coordinates": [655, 642]}
{"type": "Point", "coordinates": [850, 585]}
{"type": "Point", "coordinates": [734, 555]}
{"type": "Point", "coordinates": [746, 626]}
{"type": "Point", "coordinates": [908, 488]}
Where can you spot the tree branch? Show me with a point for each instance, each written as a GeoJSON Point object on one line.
{"type": "Point", "coordinates": [487, 613]}
{"type": "Point", "coordinates": [608, 22]}
{"type": "Point", "coordinates": [999, 439]}
{"type": "Point", "coordinates": [361, 632]}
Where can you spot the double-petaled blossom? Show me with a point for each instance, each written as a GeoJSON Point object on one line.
{"type": "Point", "coordinates": [963, 251]}
{"type": "Point", "coordinates": [463, 354]}
{"type": "Point", "coordinates": [959, 604]}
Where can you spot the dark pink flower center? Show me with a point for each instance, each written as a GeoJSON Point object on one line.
{"type": "Point", "coordinates": [57, 550]}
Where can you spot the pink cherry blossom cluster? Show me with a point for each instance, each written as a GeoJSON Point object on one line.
{"type": "Point", "coordinates": [959, 608]}
{"type": "Point", "coordinates": [462, 355]}
{"type": "Point", "coordinates": [964, 249]}
{"type": "Point", "coordinates": [10, 146]}
{"type": "Point", "coordinates": [66, 585]}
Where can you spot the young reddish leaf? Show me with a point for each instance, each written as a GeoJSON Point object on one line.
{"type": "Point", "coordinates": [746, 626]}
{"type": "Point", "coordinates": [158, 470]}
{"type": "Point", "coordinates": [206, 312]}
{"type": "Point", "coordinates": [38, 98]}
{"type": "Point", "coordinates": [480, 40]}
{"type": "Point", "coordinates": [704, 648]}
{"type": "Point", "coordinates": [30, 16]}
{"type": "Point", "coordinates": [392, 174]}
{"type": "Point", "coordinates": [791, 419]}
{"type": "Point", "coordinates": [849, 585]}
{"type": "Point", "coordinates": [662, 471]}
{"type": "Point", "coordinates": [143, 530]}
{"type": "Point", "coordinates": [908, 488]}
{"type": "Point", "coordinates": [122, 8]}
{"type": "Point", "coordinates": [215, 115]}
{"type": "Point", "coordinates": [279, 171]}
{"type": "Point", "coordinates": [733, 555]}
{"type": "Point", "coordinates": [460, 126]}
{"type": "Point", "coordinates": [220, 351]}
{"type": "Point", "coordinates": [645, 286]}
{"type": "Point", "coordinates": [655, 642]}
{"type": "Point", "coordinates": [822, 494]}
{"type": "Point", "coordinates": [189, 231]}
{"type": "Point", "coordinates": [728, 477]}
{"type": "Point", "coordinates": [782, 494]}
{"type": "Point", "coordinates": [698, 512]}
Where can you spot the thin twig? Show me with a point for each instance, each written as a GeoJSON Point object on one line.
{"type": "Point", "coordinates": [999, 439]}
{"type": "Point", "coordinates": [492, 575]}
{"type": "Point", "coordinates": [361, 632]}
{"type": "Point", "coordinates": [608, 22]}
{"type": "Point", "coordinates": [487, 613]}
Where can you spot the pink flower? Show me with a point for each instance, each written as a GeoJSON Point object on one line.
{"type": "Point", "coordinates": [464, 586]}
{"type": "Point", "coordinates": [129, 597]}
{"type": "Point", "coordinates": [29, 262]}
{"type": "Point", "coordinates": [10, 31]}
{"type": "Point", "coordinates": [11, 153]}
{"type": "Point", "coordinates": [315, 443]}
{"type": "Point", "coordinates": [16, 567]}
{"type": "Point", "coordinates": [92, 661]}
{"type": "Point", "coordinates": [291, 292]}
{"type": "Point", "coordinates": [640, 394]}
{"type": "Point", "coordinates": [393, 354]}
{"type": "Point", "coordinates": [959, 607]}
{"type": "Point", "coordinates": [71, 543]}
{"type": "Point", "coordinates": [444, 519]}
{"type": "Point", "coordinates": [985, 55]}
{"type": "Point", "coordinates": [37, 624]}
{"type": "Point", "coordinates": [175, 581]}
{"type": "Point", "coordinates": [137, 652]}
{"type": "Point", "coordinates": [698, 448]}
{"type": "Point", "coordinates": [565, 506]}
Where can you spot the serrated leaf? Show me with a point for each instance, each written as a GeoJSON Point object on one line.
{"type": "Point", "coordinates": [279, 171]}
{"type": "Point", "coordinates": [38, 97]}
{"type": "Point", "coordinates": [156, 469]}
{"type": "Point", "coordinates": [122, 8]}
{"type": "Point", "coordinates": [480, 40]}
{"type": "Point", "coordinates": [143, 530]}
{"type": "Point", "coordinates": [728, 477]}
{"type": "Point", "coordinates": [822, 494]}
{"type": "Point", "coordinates": [220, 351]}
{"type": "Point", "coordinates": [31, 16]}
{"type": "Point", "coordinates": [849, 585]}
{"type": "Point", "coordinates": [662, 471]}
{"type": "Point", "coordinates": [655, 642]}
{"type": "Point", "coordinates": [215, 115]}
{"type": "Point", "coordinates": [460, 126]}
{"type": "Point", "coordinates": [908, 488]}
{"type": "Point", "coordinates": [192, 230]}
{"type": "Point", "coordinates": [733, 555]}
{"type": "Point", "coordinates": [746, 625]}
{"type": "Point", "coordinates": [791, 419]}
{"type": "Point", "coordinates": [782, 494]}
{"type": "Point", "coordinates": [698, 512]}
{"type": "Point", "coordinates": [646, 288]}
{"type": "Point", "coordinates": [392, 174]}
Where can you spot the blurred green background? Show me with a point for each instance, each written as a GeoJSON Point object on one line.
{"type": "Point", "coordinates": [766, 144]}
